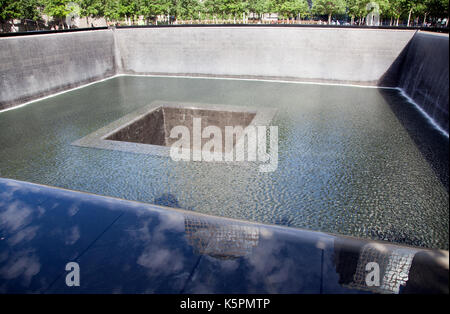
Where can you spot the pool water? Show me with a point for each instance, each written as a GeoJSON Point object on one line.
{"type": "Point", "coordinates": [349, 159]}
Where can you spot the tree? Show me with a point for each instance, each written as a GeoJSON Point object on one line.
{"type": "Point", "coordinates": [422, 9]}
{"type": "Point", "coordinates": [260, 7]}
{"type": "Point", "coordinates": [230, 7]}
{"type": "Point", "coordinates": [211, 8]}
{"type": "Point", "coordinates": [149, 9]}
{"type": "Point", "coordinates": [187, 9]}
{"type": "Point", "coordinates": [409, 7]}
{"type": "Point", "coordinates": [357, 9]}
{"type": "Point", "coordinates": [168, 8]}
{"type": "Point", "coordinates": [58, 9]}
{"type": "Point", "coordinates": [396, 10]}
{"type": "Point", "coordinates": [328, 7]}
{"type": "Point", "coordinates": [293, 8]}
{"type": "Point", "coordinates": [118, 10]}
{"type": "Point", "coordinates": [111, 10]}
{"type": "Point", "coordinates": [128, 10]}
{"type": "Point", "coordinates": [91, 8]}
{"type": "Point", "coordinates": [438, 9]}
{"type": "Point", "coordinates": [31, 10]}
{"type": "Point", "coordinates": [25, 10]}
{"type": "Point", "coordinates": [384, 9]}
{"type": "Point", "coordinates": [9, 10]}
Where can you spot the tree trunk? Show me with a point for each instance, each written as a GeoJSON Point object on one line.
{"type": "Point", "coordinates": [424, 19]}
{"type": "Point", "coordinates": [409, 17]}
{"type": "Point", "coordinates": [329, 19]}
{"type": "Point", "coordinates": [392, 19]}
{"type": "Point", "coordinates": [396, 23]}
{"type": "Point", "coordinates": [352, 21]}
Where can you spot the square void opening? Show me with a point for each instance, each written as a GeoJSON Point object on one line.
{"type": "Point", "coordinates": [147, 130]}
{"type": "Point", "coordinates": [154, 127]}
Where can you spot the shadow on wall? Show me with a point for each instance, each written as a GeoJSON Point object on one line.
{"type": "Point", "coordinates": [431, 143]}
{"type": "Point", "coordinates": [422, 72]}
{"type": "Point", "coordinates": [392, 76]}
{"type": "Point", "coordinates": [425, 75]}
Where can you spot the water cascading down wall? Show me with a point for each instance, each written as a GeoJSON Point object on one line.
{"type": "Point", "coordinates": [34, 66]}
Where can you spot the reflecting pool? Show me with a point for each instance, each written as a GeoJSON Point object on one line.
{"type": "Point", "coordinates": [352, 161]}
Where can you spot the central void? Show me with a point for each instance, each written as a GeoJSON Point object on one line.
{"type": "Point", "coordinates": [350, 159]}
{"type": "Point", "coordinates": [155, 126]}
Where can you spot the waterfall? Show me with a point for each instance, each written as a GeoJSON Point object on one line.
{"type": "Point", "coordinates": [424, 76]}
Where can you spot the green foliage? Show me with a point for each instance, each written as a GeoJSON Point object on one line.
{"type": "Point", "coordinates": [111, 10]}
{"type": "Point", "coordinates": [58, 9]}
{"type": "Point", "coordinates": [293, 8]}
{"type": "Point", "coordinates": [398, 8]}
{"type": "Point", "coordinates": [230, 7]}
{"type": "Point", "coordinates": [437, 8]}
{"type": "Point", "coordinates": [92, 8]}
{"type": "Point", "coordinates": [357, 8]}
{"type": "Point", "coordinates": [384, 6]}
{"type": "Point", "coordinates": [19, 9]}
{"type": "Point", "coordinates": [119, 10]}
{"type": "Point", "coordinates": [212, 7]}
{"type": "Point", "coordinates": [127, 8]}
{"type": "Point", "coordinates": [328, 7]}
{"type": "Point", "coordinates": [188, 9]}
{"type": "Point", "coordinates": [149, 9]}
{"type": "Point", "coordinates": [116, 10]}
{"type": "Point", "coordinates": [9, 10]}
{"type": "Point", "coordinates": [261, 6]}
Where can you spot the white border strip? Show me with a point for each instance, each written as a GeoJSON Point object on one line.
{"type": "Point", "coordinates": [192, 77]}
{"type": "Point", "coordinates": [256, 79]}
{"type": "Point", "coordinates": [409, 99]}
{"type": "Point", "coordinates": [425, 114]}
{"type": "Point", "coordinates": [56, 94]}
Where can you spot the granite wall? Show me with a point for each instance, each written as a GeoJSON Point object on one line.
{"type": "Point", "coordinates": [40, 65]}
{"type": "Point", "coordinates": [344, 55]}
{"type": "Point", "coordinates": [424, 75]}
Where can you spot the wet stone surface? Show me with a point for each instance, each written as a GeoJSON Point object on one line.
{"type": "Point", "coordinates": [129, 247]}
{"type": "Point", "coordinates": [349, 162]}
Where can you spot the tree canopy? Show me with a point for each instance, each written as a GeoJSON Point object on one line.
{"type": "Point", "coordinates": [131, 10]}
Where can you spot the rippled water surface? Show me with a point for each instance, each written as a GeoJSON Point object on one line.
{"type": "Point", "coordinates": [350, 162]}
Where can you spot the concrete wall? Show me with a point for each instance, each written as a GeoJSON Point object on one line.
{"type": "Point", "coordinates": [424, 75]}
{"type": "Point", "coordinates": [318, 54]}
{"type": "Point", "coordinates": [35, 66]}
